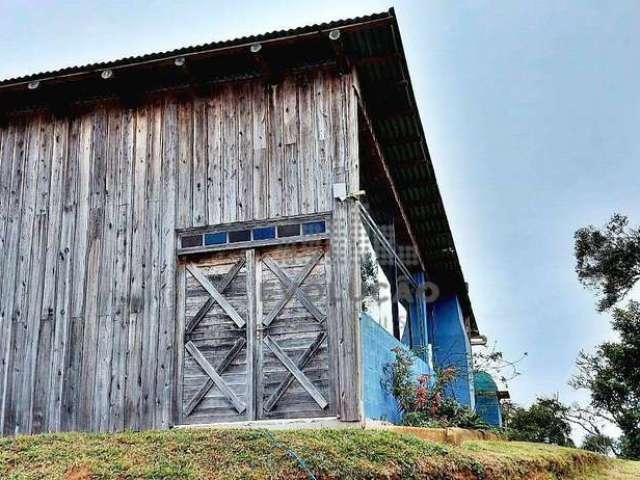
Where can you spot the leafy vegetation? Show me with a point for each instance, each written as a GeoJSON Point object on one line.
{"type": "Point", "coordinates": [608, 261]}
{"type": "Point", "coordinates": [545, 421]}
{"type": "Point", "coordinates": [322, 454]}
{"type": "Point", "coordinates": [422, 400]}
{"type": "Point", "coordinates": [599, 443]}
{"type": "Point", "coordinates": [612, 376]}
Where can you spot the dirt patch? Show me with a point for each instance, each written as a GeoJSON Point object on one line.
{"type": "Point", "coordinates": [81, 472]}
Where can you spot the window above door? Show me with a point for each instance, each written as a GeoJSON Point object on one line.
{"type": "Point", "coordinates": [297, 229]}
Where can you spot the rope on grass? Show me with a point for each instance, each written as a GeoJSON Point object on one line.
{"type": "Point", "coordinates": [292, 453]}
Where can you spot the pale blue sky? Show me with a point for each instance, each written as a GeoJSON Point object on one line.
{"type": "Point", "coordinates": [532, 115]}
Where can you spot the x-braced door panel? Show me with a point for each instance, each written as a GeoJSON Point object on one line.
{"type": "Point", "coordinates": [216, 373]}
{"type": "Point", "coordinates": [256, 340]}
{"type": "Point", "coordinates": [292, 333]}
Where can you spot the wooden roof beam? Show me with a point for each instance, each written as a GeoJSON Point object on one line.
{"type": "Point", "coordinates": [335, 40]}
{"type": "Point", "coordinates": [269, 72]}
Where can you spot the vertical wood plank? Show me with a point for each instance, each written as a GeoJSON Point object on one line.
{"type": "Point", "coordinates": [72, 392]}
{"type": "Point", "coordinates": [291, 128]}
{"type": "Point", "coordinates": [181, 287]}
{"type": "Point", "coordinates": [252, 329]}
{"type": "Point", "coordinates": [10, 182]}
{"type": "Point", "coordinates": [138, 270]}
{"type": "Point", "coordinates": [41, 388]}
{"type": "Point", "coordinates": [260, 150]}
{"type": "Point", "coordinates": [152, 282]}
{"type": "Point", "coordinates": [245, 152]}
{"type": "Point", "coordinates": [214, 159]}
{"type": "Point", "coordinates": [166, 341]}
{"type": "Point", "coordinates": [15, 389]}
{"type": "Point", "coordinates": [229, 155]}
{"type": "Point", "coordinates": [88, 419]}
{"type": "Point", "coordinates": [113, 154]}
{"type": "Point", "coordinates": [258, 345]}
{"type": "Point", "coordinates": [35, 377]}
{"type": "Point", "coordinates": [60, 136]}
{"type": "Point", "coordinates": [104, 357]}
{"type": "Point", "coordinates": [60, 380]}
{"type": "Point", "coordinates": [121, 274]}
{"type": "Point", "coordinates": [82, 222]}
{"type": "Point", "coordinates": [185, 125]}
{"type": "Point", "coordinates": [323, 166]}
{"type": "Point", "coordinates": [200, 142]}
{"type": "Point", "coordinates": [276, 152]}
{"type": "Point", "coordinates": [105, 335]}
{"type": "Point", "coordinates": [307, 148]}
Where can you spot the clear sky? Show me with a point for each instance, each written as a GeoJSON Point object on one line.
{"type": "Point", "coordinates": [532, 115]}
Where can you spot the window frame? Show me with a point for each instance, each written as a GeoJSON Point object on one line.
{"type": "Point", "coordinates": [325, 217]}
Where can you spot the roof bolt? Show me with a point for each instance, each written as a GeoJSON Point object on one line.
{"type": "Point", "coordinates": [334, 35]}
{"type": "Point", "coordinates": [33, 85]}
{"type": "Point", "coordinates": [180, 61]}
{"type": "Point", "coordinates": [106, 74]}
{"type": "Point", "coordinates": [255, 48]}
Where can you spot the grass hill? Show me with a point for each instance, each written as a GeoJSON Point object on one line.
{"type": "Point", "coordinates": [252, 454]}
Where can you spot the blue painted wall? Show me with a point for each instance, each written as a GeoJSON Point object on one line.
{"type": "Point", "coordinates": [488, 408]}
{"type": "Point", "coordinates": [451, 347]}
{"type": "Point", "coordinates": [377, 346]}
{"type": "Point", "coordinates": [415, 334]}
{"type": "Point", "coordinates": [487, 403]}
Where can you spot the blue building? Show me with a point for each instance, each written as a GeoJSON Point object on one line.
{"type": "Point", "coordinates": [488, 399]}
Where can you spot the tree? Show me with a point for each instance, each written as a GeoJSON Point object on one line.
{"type": "Point", "coordinates": [599, 443]}
{"type": "Point", "coordinates": [545, 422]}
{"type": "Point", "coordinates": [612, 375]}
{"type": "Point", "coordinates": [608, 259]}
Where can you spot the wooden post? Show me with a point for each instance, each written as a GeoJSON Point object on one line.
{"type": "Point", "coordinates": [345, 269]}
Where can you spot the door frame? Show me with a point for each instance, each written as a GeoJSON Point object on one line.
{"type": "Point", "coordinates": [254, 309]}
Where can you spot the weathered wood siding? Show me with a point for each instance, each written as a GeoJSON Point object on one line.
{"type": "Point", "coordinates": [89, 207]}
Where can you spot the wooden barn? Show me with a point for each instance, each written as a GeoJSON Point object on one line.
{"type": "Point", "coordinates": [180, 232]}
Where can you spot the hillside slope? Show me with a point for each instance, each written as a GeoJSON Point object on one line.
{"type": "Point", "coordinates": [247, 454]}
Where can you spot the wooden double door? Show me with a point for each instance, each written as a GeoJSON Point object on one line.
{"type": "Point", "coordinates": [256, 340]}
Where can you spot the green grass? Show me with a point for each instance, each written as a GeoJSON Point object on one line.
{"type": "Point", "coordinates": [247, 454]}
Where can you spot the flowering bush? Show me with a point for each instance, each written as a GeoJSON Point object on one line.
{"type": "Point", "coordinates": [422, 400]}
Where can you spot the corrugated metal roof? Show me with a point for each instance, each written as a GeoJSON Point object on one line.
{"type": "Point", "coordinates": [196, 49]}
{"type": "Point", "coordinates": [371, 42]}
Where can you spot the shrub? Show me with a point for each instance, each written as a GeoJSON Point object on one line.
{"type": "Point", "coordinates": [422, 400]}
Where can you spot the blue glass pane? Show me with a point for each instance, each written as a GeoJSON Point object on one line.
{"type": "Point", "coordinates": [292, 230]}
{"type": "Point", "coordinates": [239, 236]}
{"type": "Point", "coordinates": [215, 238]}
{"type": "Point", "coordinates": [312, 228]}
{"type": "Point", "coordinates": [264, 233]}
{"type": "Point", "coordinates": [191, 241]}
